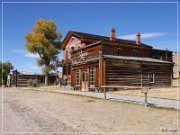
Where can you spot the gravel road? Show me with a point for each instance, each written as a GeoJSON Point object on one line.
{"type": "Point", "coordinates": [34, 112]}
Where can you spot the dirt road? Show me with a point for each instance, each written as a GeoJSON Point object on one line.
{"type": "Point", "coordinates": [31, 111]}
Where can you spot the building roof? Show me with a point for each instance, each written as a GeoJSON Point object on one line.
{"type": "Point", "coordinates": [137, 59]}
{"type": "Point", "coordinates": [94, 37]}
{"type": "Point", "coordinates": [28, 73]}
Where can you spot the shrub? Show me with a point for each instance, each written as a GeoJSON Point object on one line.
{"type": "Point", "coordinates": [35, 83]}
{"type": "Point", "coordinates": [32, 82]}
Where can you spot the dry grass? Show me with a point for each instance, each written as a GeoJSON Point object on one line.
{"type": "Point", "coordinates": [164, 93]}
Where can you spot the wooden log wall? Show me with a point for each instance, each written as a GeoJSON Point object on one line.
{"type": "Point", "coordinates": [122, 73]}
{"type": "Point", "coordinates": [128, 73]}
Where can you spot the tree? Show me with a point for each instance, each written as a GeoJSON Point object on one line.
{"type": "Point", "coordinates": [46, 42]}
{"type": "Point", "coordinates": [5, 69]}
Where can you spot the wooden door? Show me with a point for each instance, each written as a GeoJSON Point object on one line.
{"type": "Point", "coordinates": [84, 81]}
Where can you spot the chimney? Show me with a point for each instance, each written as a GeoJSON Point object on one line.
{"type": "Point", "coordinates": [112, 34]}
{"type": "Point", "coordinates": [138, 38]}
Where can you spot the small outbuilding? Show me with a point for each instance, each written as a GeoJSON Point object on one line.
{"type": "Point", "coordinates": [20, 79]}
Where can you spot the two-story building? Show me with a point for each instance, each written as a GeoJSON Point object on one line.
{"type": "Point", "coordinates": [95, 61]}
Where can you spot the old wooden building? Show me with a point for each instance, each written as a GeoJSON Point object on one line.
{"type": "Point", "coordinates": [92, 61]}
{"type": "Point", "coordinates": [20, 78]}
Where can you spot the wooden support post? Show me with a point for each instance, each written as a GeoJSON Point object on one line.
{"type": "Point", "coordinates": [141, 76]}
{"type": "Point", "coordinates": [100, 69]}
{"type": "Point", "coordinates": [172, 76]}
{"type": "Point", "coordinates": [104, 73]}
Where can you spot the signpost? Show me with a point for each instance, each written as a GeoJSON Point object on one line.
{"type": "Point", "coordinates": [145, 91]}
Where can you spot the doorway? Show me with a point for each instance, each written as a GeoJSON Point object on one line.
{"type": "Point", "coordinates": [84, 81]}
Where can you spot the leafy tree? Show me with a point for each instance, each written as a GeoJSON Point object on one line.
{"type": "Point", "coordinates": [5, 69]}
{"type": "Point", "coordinates": [46, 42]}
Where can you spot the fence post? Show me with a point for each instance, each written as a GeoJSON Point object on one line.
{"type": "Point", "coordinates": [145, 91]}
{"type": "Point", "coordinates": [104, 93]}
{"type": "Point", "coordinates": [145, 99]}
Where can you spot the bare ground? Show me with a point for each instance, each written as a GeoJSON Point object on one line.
{"type": "Point", "coordinates": [32, 111]}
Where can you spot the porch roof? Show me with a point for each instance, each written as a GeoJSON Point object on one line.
{"type": "Point", "coordinates": [137, 59]}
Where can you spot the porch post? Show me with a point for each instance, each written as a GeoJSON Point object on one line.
{"type": "Point", "coordinates": [100, 69]}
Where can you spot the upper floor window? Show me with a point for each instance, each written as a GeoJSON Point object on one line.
{"type": "Point", "coordinates": [119, 51]}
{"type": "Point", "coordinates": [134, 52]}
{"type": "Point", "coordinates": [72, 39]}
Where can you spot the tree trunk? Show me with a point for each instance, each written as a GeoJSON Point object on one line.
{"type": "Point", "coordinates": [46, 79]}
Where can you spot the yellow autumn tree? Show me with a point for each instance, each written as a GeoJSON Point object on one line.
{"type": "Point", "coordinates": [46, 42]}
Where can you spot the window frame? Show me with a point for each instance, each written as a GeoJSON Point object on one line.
{"type": "Point", "coordinates": [92, 76]}
{"type": "Point", "coordinates": [78, 77]}
{"type": "Point", "coordinates": [151, 77]}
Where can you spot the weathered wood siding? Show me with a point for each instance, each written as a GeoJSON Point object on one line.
{"type": "Point", "coordinates": [130, 73]}
{"type": "Point", "coordinates": [92, 52]}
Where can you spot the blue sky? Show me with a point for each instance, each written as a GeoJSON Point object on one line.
{"type": "Point", "coordinates": [156, 22]}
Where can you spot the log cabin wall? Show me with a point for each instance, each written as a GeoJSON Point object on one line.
{"type": "Point", "coordinates": [128, 73]}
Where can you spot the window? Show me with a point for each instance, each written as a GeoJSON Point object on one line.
{"type": "Point", "coordinates": [134, 52]}
{"type": "Point", "coordinates": [151, 78]}
{"type": "Point", "coordinates": [119, 51]}
{"type": "Point", "coordinates": [92, 76]}
{"type": "Point", "coordinates": [78, 77]}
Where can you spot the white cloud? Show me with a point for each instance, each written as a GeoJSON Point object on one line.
{"type": "Point", "coordinates": [30, 55]}
{"type": "Point", "coordinates": [143, 35]}
{"type": "Point", "coordinates": [26, 54]}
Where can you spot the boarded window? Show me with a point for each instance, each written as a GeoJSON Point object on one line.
{"type": "Point", "coordinates": [78, 77]}
{"type": "Point", "coordinates": [151, 77]}
{"type": "Point", "coordinates": [92, 76]}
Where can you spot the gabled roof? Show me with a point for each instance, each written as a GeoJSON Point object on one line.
{"type": "Point", "coordinates": [94, 37]}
